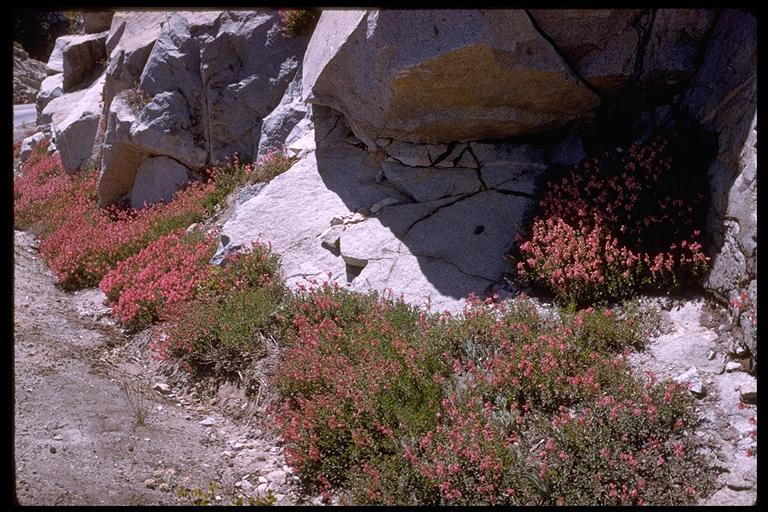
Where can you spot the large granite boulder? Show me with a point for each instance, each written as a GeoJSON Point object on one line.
{"type": "Point", "coordinates": [81, 57]}
{"type": "Point", "coordinates": [75, 134]}
{"type": "Point", "coordinates": [287, 123]}
{"type": "Point", "coordinates": [441, 76]}
{"type": "Point", "coordinates": [57, 109]}
{"type": "Point", "coordinates": [454, 75]}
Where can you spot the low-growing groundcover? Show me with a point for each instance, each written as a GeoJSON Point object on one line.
{"type": "Point", "coordinates": [622, 223]}
{"type": "Point", "coordinates": [82, 242]}
{"type": "Point", "coordinates": [386, 404]}
{"type": "Point", "coordinates": [381, 402]}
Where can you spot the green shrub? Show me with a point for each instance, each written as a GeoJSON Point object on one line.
{"type": "Point", "coordinates": [385, 404]}
{"type": "Point", "coordinates": [232, 315]}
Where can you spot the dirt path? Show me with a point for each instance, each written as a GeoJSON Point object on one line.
{"type": "Point", "coordinates": [77, 441]}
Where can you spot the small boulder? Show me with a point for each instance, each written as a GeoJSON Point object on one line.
{"type": "Point", "coordinates": [695, 385]}
{"type": "Point", "coordinates": [29, 144]}
{"type": "Point", "coordinates": [50, 89]}
{"type": "Point", "coordinates": [157, 180]}
{"type": "Point", "coordinates": [748, 393]}
{"type": "Point", "coordinates": [162, 388]}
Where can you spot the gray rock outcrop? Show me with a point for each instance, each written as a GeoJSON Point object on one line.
{"type": "Point", "coordinates": [201, 92]}
{"type": "Point", "coordinates": [157, 180]}
{"type": "Point", "coordinates": [28, 74]}
{"type": "Point", "coordinates": [723, 98]}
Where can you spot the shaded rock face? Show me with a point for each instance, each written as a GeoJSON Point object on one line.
{"type": "Point", "coordinates": [723, 98]}
{"type": "Point", "coordinates": [433, 234]}
{"type": "Point", "coordinates": [81, 56]}
{"type": "Point", "coordinates": [120, 158]}
{"type": "Point", "coordinates": [157, 179]}
{"type": "Point", "coordinates": [613, 48]}
{"type": "Point", "coordinates": [28, 74]}
{"type": "Point", "coordinates": [97, 21]}
{"type": "Point", "coordinates": [440, 76]}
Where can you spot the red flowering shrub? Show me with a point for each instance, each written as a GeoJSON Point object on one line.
{"type": "Point", "coordinates": [498, 406]}
{"type": "Point", "coordinates": [232, 313]}
{"type": "Point", "coordinates": [358, 374]}
{"type": "Point", "coordinates": [40, 185]}
{"type": "Point", "coordinates": [81, 241]}
{"type": "Point", "coordinates": [164, 273]}
{"type": "Point", "coordinates": [615, 225]}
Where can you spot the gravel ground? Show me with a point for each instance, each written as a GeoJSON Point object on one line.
{"type": "Point", "coordinates": [77, 438]}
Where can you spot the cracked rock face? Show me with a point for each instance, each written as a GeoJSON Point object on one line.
{"type": "Point", "coordinates": [211, 79]}
{"type": "Point", "coordinates": [433, 234]}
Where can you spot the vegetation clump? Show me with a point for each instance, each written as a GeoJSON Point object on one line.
{"type": "Point", "coordinates": [380, 402]}
{"type": "Point", "coordinates": [298, 22]}
{"type": "Point", "coordinates": [385, 404]}
{"type": "Point", "coordinates": [618, 224]}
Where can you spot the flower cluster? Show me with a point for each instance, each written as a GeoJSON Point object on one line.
{"type": "Point", "coordinates": [617, 224]}
{"type": "Point", "coordinates": [164, 273]}
{"type": "Point", "coordinates": [225, 325]}
{"type": "Point", "coordinates": [496, 406]}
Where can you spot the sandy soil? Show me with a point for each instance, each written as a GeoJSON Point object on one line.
{"type": "Point", "coordinates": [77, 441]}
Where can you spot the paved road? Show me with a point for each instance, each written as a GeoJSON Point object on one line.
{"type": "Point", "coordinates": [22, 114]}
